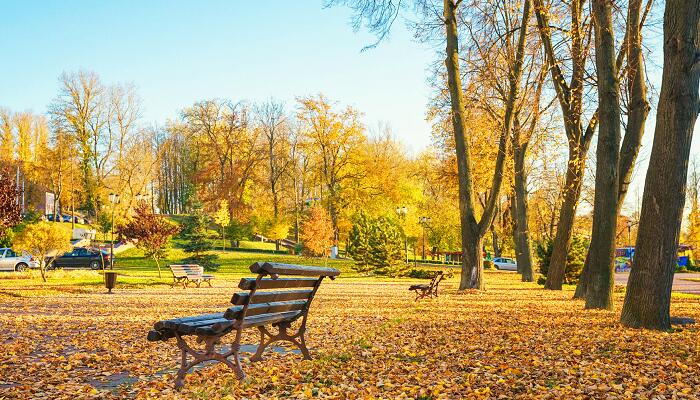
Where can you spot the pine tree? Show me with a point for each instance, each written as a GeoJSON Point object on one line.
{"type": "Point", "coordinates": [376, 245]}
{"type": "Point", "coordinates": [359, 248]}
{"type": "Point", "coordinates": [198, 242]}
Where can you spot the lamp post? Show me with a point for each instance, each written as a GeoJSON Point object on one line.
{"type": "Point", "coordinates": [424, 221]}
{"type": "Point", "coordinates": [402, 212]}
{"type": "Point", "coordinates": [114, 199]}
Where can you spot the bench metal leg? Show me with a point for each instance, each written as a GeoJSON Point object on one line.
{"type": "Point", "coordinates": [421, 294]}
{"type": "Point", "coordinates": [266, 339]}
{"type": "Point", "coordinates": [209, 353]}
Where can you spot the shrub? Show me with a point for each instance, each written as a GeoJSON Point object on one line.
{"type": "Point", "coordinates": [488, 264]}
{"type": "Point", "coordinates": [418, 273]}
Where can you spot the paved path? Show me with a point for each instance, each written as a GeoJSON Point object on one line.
{"type": "Point", "coordinates": [680, 282]}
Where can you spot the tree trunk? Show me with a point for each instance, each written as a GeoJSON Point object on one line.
{"type": "Point", "coordinates": [523, 250]}
{"type": "Point", "coordinates": [43, 267]}
{"type": "Point", "coordinates": [473, 277]}
{"type": "Point", "coordinates": [582, 286]}
{"type": "Point", "coordinates": [567, 214]}
{"type": "Point", "coordinates": [637, 115]}
{"type": "Point", "coordinates": [648, 297]}
{"type": "Point", "coordinates": [494, 241]}
{"type": "Point", "coordinates": [469, 227]}
{"type": "Point", "coordinates": [601, 254]}
{"type": "Point", "coordinates": [158, 265]}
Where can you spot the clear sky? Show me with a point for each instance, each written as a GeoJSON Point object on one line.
{"type": "Point", "coordinates": [179, 52]}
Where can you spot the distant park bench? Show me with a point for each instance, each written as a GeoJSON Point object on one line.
{"type": "Point", "coordinates": [429, 290]}
{"type": "Point", "coordinates": [278, 308]}
{"type": "Point", "coordinates": [189, 273]}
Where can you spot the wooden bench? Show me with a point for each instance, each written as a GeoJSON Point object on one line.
{"type": "Point", "coordinates": [267, 302]}
{"type": "Point", "coordinates": [429, 290]}
{"type": "Point", "coordinates": [184, 274]}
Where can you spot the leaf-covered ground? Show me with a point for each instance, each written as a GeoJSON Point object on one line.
{"type": "Point", "coordinates": [369, 339]}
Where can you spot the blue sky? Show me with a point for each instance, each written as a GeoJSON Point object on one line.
{"type": "Point", "coordinates": [179, 52]}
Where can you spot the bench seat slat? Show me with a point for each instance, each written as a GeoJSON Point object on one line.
{"type": "Point", "coordinates": [291, 269]}
{"type": "Point", "coordinates": [265, 308]}
{"type": "Point", "coordinates": [258, 320]}
{"type": "Point", "coordinates": [189, 328]}
{"type": "Point", "coordinates": [269, 297]}
{"type": "Point", "coordinates": [168, 323]}
{"type": "Point", "coordinates": [281, 283]}
{"type": "Point", "coordinates": [156, 335]}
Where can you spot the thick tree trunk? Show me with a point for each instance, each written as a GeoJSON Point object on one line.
{"type": "Point", "coordinates": [471, 265]}
{"type": "Point", "coordinates": [638, 103]}
{"type": "Point", "coordinates": [582, 286]}
{"type": "Point", "coordinates": [648, 297]}
{"type": "Point", "coordinates": [601, 254]}
{"type": "Point", "coordinates": [567, 215]}
{"type": "Point", "coordinates": [637, 115]}
{"type": "Point", "coordinates": [523, 250]}
{"type": "Point", "coordinates": [473, 276]}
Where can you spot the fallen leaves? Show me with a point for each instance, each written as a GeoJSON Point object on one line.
{"type": "Point", "coordinates": [368, 339]}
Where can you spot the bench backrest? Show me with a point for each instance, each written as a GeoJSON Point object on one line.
{"type": "Point", "coordinates": [436, 279]}
{"type": "Point", "coordinates": [186, 270]}
{"type": "Point", "coordinates": [271, 296]}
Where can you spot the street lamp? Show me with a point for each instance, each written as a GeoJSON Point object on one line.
{"type": "Point", "coordinates": [401, 212]}
{"type": "Point", "coordinates": [424, 221]}
{"type": "Point", "coordinates": [114, 199]}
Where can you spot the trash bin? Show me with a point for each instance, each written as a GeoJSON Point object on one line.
{"type": "Point", "coordinates": [110, 281]}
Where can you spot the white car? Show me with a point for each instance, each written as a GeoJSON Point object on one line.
{"type": "Point", "coordinates": [11, 261]}
{"type": "Point", "coordinates": [507, 264]}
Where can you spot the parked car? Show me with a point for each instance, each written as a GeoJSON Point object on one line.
{"type": "Point", "coordinates": [81, 257]}
{"type": "Point", "coordinates": [50, 217]}
{"type": "Point", "coordinates": [11, 261]}
{"type": "Point", "coordinates": [507, 264]}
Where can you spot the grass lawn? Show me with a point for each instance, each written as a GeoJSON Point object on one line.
{"type": "Point", "coordinates": [135, 271]}
{"type": "Point", "coordinates": [369, 339]}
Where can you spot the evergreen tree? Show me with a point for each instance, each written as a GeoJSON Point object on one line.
{"type": "Point", "coordinates": [377, 245]}
{"type": "Point", "coordinates": [574, 261]}
{"type": "Point", "coordinates": [198, 242]}
{"type": "Point", "coordinates": [237, 231]}
{"type": "Point", "coordinates": [386, 247]}
{"type": "Point", "coordinates": [359, 248]}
